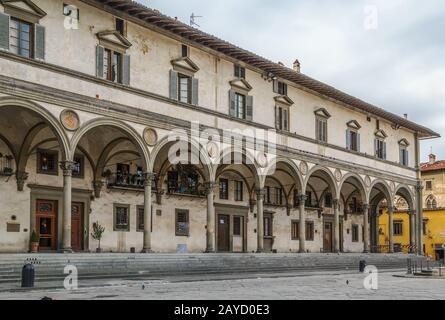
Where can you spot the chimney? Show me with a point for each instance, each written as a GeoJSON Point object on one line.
{"type": "Point", "coordinates": [405, 115]}
{"type": "Point", "coordinates": [432, 158]}
{"type": "Point", "coordinates": [297, 66]}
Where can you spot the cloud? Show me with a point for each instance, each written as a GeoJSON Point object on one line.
{"type": "Point", "coordinates": [399, 66]}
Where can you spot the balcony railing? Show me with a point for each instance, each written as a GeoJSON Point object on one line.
{"type": "Point", "coordinates": [134, 181]}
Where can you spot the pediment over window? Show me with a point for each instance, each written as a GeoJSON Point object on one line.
{"type": "Point", "coordinates": [241, 84]}
{"type": "Point", "coordinates": [404, 143]}
{"type": "Point", "coordinates": [113, 40]}
{"type": "Point", "coordinates": [284, 100]}
{"type": "Point", "coordinates": [380, 134]}
{"type": "Point", "coordinates": [322, 112]}
{"type": "Point", "coordinates": [184, 64]}
{"type": "Point", "coordinates": [353, 125]}
{"type": "Point", "coordinates": [23, 9]}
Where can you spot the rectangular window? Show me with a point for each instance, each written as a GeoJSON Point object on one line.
{"type": "Point", "coordinates": [355, 235]}
{"type": "Point", "coordinates": [424, 227]}
{"type": "Point", "coordinates": [308, 199]}
{"type": "Point", "coordinates": [240, 72]}
{"type": "Point", "coordinates": [112, 66]}
{"type": "Point", "coordinates": [398, 228]}
{"type": "Point", "coordinates": [182, 223]}
{"type": "Point", "coordinates": [267, 198]}
{"type": "Point", "coordinates": [328, 200]}
{"type": "Point", "coordinates": [278, 196]}
{"type": "Point", "coordinates": [295, 230]}
{"type": "Point", "coordinates": [238, 191]}
{"type": "Point", "coordinates": [21, 38]}
{"type": "Point", "coordinates": [268, 228]}
{"type": "Point", "coordinates": [429, 185]}
{"type": "Point", "coordinates": [140, 219]}
{"type": "Point", "coordinates": [224, 189]}
{"type": "Point", "coordinates": [282, 118]}
{"type": "Point", "coordinates": [184, 87]}
{"type": "Point", "coordinates": [237, 223]}
{"type": "Point", "coordinates": [380, 149]}
{"type": "Point", "coordinates": [352, 140]}
{"type": "Point", "coordinates": [310, 231]}
{"type": "Point", "coordinates": [120, 26]}
{"type": "Point", "coordinates": [184, 51]}
{"type": "Point", "coordinates": [122, 218]}
{"type": "Point", "coordinates": [282, 88]}
{"type": "Point", "coordinates": [322, 129]}
{"type": "Point", "coordinates": [78, 171]}
{"type": "Point", "coordinates": [47, 161]}
{"type": "Point", "coordinates": [404, 160]}
{"type": "Point", "coordinates": [240, 106]}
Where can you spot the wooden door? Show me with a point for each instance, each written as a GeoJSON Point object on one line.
{"type": "Point", "coordinates": [77, 226]}
{"type": "Point", "coordinates": [46, 224]}
{"type": "Point", "coordinates": [223, 233]}
{"type": "Point", "coordinates": [327, 240]}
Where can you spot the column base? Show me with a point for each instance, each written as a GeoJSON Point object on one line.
{"type": "Point", "coordinates": [366, 251]}
{"type": "Point", "coordinates": [146, 250]}
{"type": "Point", "coordinates": [66, 250]}
{"type": "Point", "coordinates": [210, 251]}
{"type": "Point", "coordinates": [260, 251]}
{"type": "Point", "coordinates": [301, 251]}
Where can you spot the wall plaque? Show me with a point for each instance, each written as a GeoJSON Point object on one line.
{"type": "Point", "coordinates": [12, 227]}
{"type": "Point", "coordinates": [70, 120]}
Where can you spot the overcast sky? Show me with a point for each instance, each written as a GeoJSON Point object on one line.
{"type": "Point", "coordinates": [387, 52]}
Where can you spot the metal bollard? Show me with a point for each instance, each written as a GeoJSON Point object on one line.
{"type": "Point", "coordinates": [28, 276]}
{"type": "Point", "coordinates": [362, 266]}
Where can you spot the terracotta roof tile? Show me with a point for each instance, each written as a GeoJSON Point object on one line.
{"type": "Point", "coordinates": [438, 165]}
{"type": "Point", "coordinates": [154, 17]}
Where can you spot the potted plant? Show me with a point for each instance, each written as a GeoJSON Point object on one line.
{"type": "Point", "coordinates": [34, 242]}
{"type": "Point", "coordinates": [97, 234]}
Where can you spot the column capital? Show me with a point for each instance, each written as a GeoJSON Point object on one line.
{"type": "Point", "coordinates": [419, 187]}
{"type": "Point", "coordinates": [67, 167]}
{"type": "Point", "coordinates": [260, 192]}
{"type": "Point", "coordinates": [411, 212]}
{"type": "Point", "coordinates": [390, 209]}
{"type": "Point", "coordinates": [302, 198]}
{"type": "Point", "coordinates": [97, 186]}
{"type": "Point", "coordinates": [149, 177]}
{"type": "Point", "coordinates": [210, 187]}
{"type": "Point", "coordinates": [365, 206]}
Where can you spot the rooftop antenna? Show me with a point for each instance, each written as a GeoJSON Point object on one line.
{"type": "Point", "coordinates": [192, 20]}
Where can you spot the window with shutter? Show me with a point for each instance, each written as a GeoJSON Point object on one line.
{"type": "Point", "coordinates": [321, 129]}
{"type": "Point", "coordinates": [240, 72]}
{"type": "Point", "coordinates": [21, 38]}
{"type": "Point", "coordinates": [282, 118]}
{"type": "Point", "coordinates": [184, 88]}
{"type": "Point", "coordinates": [182, 223]}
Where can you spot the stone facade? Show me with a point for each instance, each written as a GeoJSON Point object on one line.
{"type": "Point", "coordinates": [113, 141]}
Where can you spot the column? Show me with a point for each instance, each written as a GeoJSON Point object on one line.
{"type": "Point", "coordinates": [210, 191]}
{"type": "Point", "coordinates": [67, 167]}
{"type": "Point", "coordinates": [391, 229]}
{"type": "Point", "coordinates": [412, 230]}
{"type": "Point", "coordinates": [302, 223]}
{"type": "Point", "coordinates": [419, 191]}
{"type": "Point", "coordinates": [260, 218]}
{"type": "Point", "coordinates": [148, 183]}
{"type": "Point", "coordinates": [336, 203]}
{"type": "Point", "coordinates": [365, 228]}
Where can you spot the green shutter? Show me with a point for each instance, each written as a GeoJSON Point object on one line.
{"type": "Point", "coordinates": [348, 139]}
{"type": "Point", "coordinates": [249, 108]}
{"type": "Point", "coordinates": [126, 69]}
{"type": "Point", "coordinates": [4, 31]}
{"type": "Point", "coordinates": [195, 91]}
{"type": "Point", "coordinates": [232, 103]}
{"type": "Point", "coordinates": [39, 37]}
{"type": "Point", "coordinates": [173, 85]}
{"type": "Point", "coordinates": [275, 86]}
{"type": "Point", "coordinates": [100, 51]}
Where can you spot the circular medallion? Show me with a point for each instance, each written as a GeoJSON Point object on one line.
{"type": "Point", "coordinates": [70, 120]}
{"type": "Point", "coordinates": [150, 136]}
{"type": "Point", "coordinates": [212, 149]}
{"type": "Point", "coordinates": [368, 181]}
{"type": "Point", "coordinates": [262, 159]}
{"type": "Point", "coordinates": [338, 175]}
{"type": "Point", "coordinates": [303, 167]}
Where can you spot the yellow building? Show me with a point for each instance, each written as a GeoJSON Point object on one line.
{"type": "Point", "coordinates": [433, 177]}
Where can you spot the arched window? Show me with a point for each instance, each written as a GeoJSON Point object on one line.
{"type": "Point", "coordinates": [431, 202]}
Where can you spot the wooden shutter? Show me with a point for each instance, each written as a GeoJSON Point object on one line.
{"type": "Point", "coordinates": [173, 85]}
{"type": "Point", "coordinates": [249, 108]}
{"type": "Point", "coordinates": [348, 139]}
{"type": "Point", "coordinates": [376, 147]}
{"type": "Point", "coordinates": [407, 157]}
{"type": "Point", "coordinates": [325, 131]}
{"type": "Point", "coordinates": [39, 42]}
{"type": "Point", "coordinates": [384, 150]}
{"type": "Point", "coordinates": [275, 86]}
{"type": "Point", "coordinates": [286, 119]}
{"type": "Point", "coordinates": [126, 69]}
{"type": "Point", "coordinates": [4, 31]}
{"type": "Point", "coordinates": [100, 51]}
{"type": "Point", "coordinates": [358, 142]}
{"type": "Point", "coordinates": [277, 117]}
{"type": "Point", "coordinates": [195, 91]}
{"type": "Point", "coordinates": [232, 103]}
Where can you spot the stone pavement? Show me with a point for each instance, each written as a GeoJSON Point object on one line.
{"type": "Point", "coordinates": [337, 286]}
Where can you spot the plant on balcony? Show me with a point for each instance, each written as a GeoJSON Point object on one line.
{"type": "Point", "coordinates": [97, 234]}
{"type": "Point", "coordinates": [34, 241]}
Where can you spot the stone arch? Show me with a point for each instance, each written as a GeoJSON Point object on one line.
{"type": "Point", "coordinates": [355, 180]}
{"type": "Point", "coordinates": [293, 172]}
{"type": "Point", "coordinates": [384, 189]}
{"type": "Point", "coordinates": [324, 174]}
{"type": "Point", "coordinates": [121, 126]}
{"type": "Point", "coordinates": [406, 193]}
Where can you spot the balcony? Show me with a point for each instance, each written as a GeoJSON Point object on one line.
{"type": "Point", "coordinates": [131, 181]}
